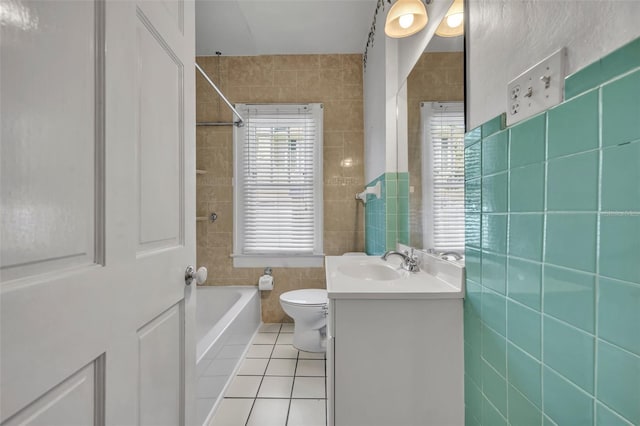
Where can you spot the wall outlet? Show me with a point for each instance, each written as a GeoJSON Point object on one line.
{"type": "Point", "coordinates": [537, 89]}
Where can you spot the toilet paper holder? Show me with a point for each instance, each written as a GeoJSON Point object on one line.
{"type": "Point", "coordinates": [268, 271]}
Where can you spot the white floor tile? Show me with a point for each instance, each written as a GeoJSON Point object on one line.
{"type": "Point", "coordinates": [269, 412]}
{"type": "Point", "coordinates": [281, 367]}
{"type": "Point", "coordinates": [285, 351]}
{"type": "Point", "coordinates": [210, 387]}
{"type": "Point", "coordinates": [232, 412]}
{"type": "Point", "coordinates": [309, 387]}
{"type": "Point", "coordinates": [312, 355]}
{"type": "Point", "coordinates": [307, 412]}
{"type": "Point", "coordinates": [275, 387]}
{"type": "Point", "coordinates": [244, 387]}
{"type": "Point", "coordinates": [287, 328]}
{"type": "Point", "coordinates": [259, 351]}
{"type": "Point", "coordinates": [253, 367]}
{"type": "Point", "coordinates": [265, 339]}
{"type": "Point", "coordinates": [221, 367]}
{"type": "Point", "coordinates": [285, 339]}
{"type": "Point", "coordinates": [310, 367]}
{"type": "Point", "coordinates": [270, 328]}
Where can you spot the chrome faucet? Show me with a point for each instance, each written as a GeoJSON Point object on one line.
{"type": "Point", "coordinates": [409, 261]}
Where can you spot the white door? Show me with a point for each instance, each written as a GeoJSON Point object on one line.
{"type": "Point", "coordinates": [98, 212]}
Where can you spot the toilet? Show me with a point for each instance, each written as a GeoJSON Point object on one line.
{"type": "Point", "coordinates": [308, 308]}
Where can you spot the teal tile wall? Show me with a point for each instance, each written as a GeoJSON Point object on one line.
{"type": "Point", "coordinates": [375, 217]}
{"type": "Point", "coordinates": [553, 258]}
{"type": "Point", "coordinates": [387, 217]}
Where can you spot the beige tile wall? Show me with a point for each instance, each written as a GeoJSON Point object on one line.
{"type": "Point", "coordinates": [335, 81]}
{"type": "Point", "coordinates": [436, 77]}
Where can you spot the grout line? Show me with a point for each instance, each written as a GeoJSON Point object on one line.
{"type": "Point", "coordinates": [596, 292]}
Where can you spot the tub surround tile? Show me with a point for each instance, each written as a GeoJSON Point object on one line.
{"type": "Point", "coordinates": [494, 270]}
{"type": "Point", "coordinates": [473, 161]}
{"type": "Point", "coordinates": [491, 415]}
{"type": "Point", "coordinates": [494, 233]}
{"type": "Point", "coordinates": [494, 308]}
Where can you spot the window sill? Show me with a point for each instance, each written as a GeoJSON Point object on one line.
{"type": "Point", "coordinates": [262, 261]}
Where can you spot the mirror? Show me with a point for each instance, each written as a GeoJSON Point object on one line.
{"type": "Point", "coordinates": [430, 108]}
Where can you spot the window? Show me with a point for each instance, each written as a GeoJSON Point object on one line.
{"type": "Point", "coordinates": [443, 151]}
{"type": "Point", "coordinates": [278, 186]}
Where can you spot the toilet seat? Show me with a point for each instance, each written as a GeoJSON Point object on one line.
{"type": "Point", "coordinates": [305, 297]}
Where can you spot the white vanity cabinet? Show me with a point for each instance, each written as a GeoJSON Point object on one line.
{"type": "Point", "coordinates": [394, 359]}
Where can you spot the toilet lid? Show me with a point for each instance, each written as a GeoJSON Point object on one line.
{"type": "Point", "coordinates": [305, 297]}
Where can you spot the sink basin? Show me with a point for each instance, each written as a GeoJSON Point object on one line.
{"type": "Point", "coordinates": [371, 272]}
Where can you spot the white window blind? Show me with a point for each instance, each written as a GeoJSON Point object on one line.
{"type": "Point", "coordinates": [278, 181]}
{"type": "Point", "coordinates": [443, 139]}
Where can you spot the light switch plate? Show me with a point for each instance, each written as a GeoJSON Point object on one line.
{"type": "Point", "coordinates": [537, 89]}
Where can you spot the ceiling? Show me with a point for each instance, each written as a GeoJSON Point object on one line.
{"type": "Point", "coordinates": [261, 27]}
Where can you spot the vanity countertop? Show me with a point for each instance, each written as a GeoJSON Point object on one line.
{"type": "Point", "coordinates": [437, 279]}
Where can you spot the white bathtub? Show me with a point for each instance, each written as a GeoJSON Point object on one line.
{"type": "Point", "coordinates": [226, 320]}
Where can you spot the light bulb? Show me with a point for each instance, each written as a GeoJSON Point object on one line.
{"type": "Point", "coordinates": [454, 20]}
{"type": "Point", "coordinates": [405, 21]}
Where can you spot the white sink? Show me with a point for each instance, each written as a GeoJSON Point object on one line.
{"type": "Point", "coordinates": [350, 277]}
{"type": "Point", "coordinates": [370, 271]}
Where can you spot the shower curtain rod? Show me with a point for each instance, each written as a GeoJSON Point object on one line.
{"type": "Point", "coordinates": [239, 122]}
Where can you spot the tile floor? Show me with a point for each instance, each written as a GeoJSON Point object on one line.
{"type": "Point", "coordinates": [276, 385]}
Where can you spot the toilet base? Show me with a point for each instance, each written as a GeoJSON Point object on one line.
{"type": "Point", "coordinates": [310, 340]}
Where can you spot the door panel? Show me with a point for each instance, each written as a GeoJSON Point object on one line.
{"type": "Point", "coordinates": [98, 187]}
{"type": "Point", "coordinates": [79, 400]}
{"type": "Point", "coordinates": [48, 197]}
{"type": "Point", "coordinates": [160, 372]}
{"type": "Point", "coordinates": [161, 140]}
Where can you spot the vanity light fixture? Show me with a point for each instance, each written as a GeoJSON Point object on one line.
{"type": "Point", "coordinates": [453, 23]}
{"type": "Point", "coordinates": [405, 18]}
